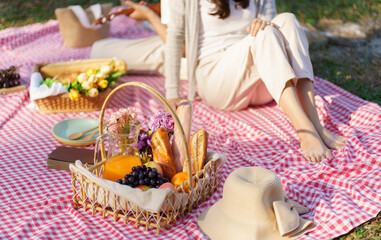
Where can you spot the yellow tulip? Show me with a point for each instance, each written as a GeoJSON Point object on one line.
{"type": "Point", "coordinates": [103, 83]}
{"type": "Point", "coordinates": [91, 72]}
{"type": "Point", "coordinates": [74, 94]}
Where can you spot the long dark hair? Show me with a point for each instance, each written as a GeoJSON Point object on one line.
{"type": "Point", "coordinates": [222, 7]}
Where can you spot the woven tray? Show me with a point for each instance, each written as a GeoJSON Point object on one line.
{"type": "Point", "coordinates": [62, 103]}
{"type": "Point", "coordinates": [88, 195]}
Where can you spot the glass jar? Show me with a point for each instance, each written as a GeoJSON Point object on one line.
{"type": "Point", "coordinates": [122, 152]}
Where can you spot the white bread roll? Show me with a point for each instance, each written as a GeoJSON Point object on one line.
{"type": "Point", "coordinates": [184, 112]}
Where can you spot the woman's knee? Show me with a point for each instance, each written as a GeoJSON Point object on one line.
{"type": "Point", "coordinates": [284, 18]}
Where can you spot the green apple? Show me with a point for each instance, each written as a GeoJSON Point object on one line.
{"type": "Point", "coordinates": [143, 187]}
{"type": "Point", "coordinates": [156, 165]}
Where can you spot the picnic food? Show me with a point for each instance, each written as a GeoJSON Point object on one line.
{"type": "Point", "coordinates": [88, 81]}
{"type": "Point", "coordinates": [9, 77]}
{"type": "Point", "coordinates": [198, 149]}
{"type": "Point", "coordinates": [184, 113]}
{"type": "Point", "coordinates": [179, 179]}
{"type": "Point", "coordinates": [143, 187]}
{"type": "Point", "coordinates": [155, 165]}
{"type": "Point", "coordinates": [162, 152]}
{"type": "Point", "coordinates": [143, 175]}
{"type": "Point", "coordinates": [167, 185]}
{"type": "Point", "coordinates": [116, 167]}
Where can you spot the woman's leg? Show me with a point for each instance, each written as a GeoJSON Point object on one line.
{"type": "Point", "coordinates": [296, 45]}
{"type": "Point", "coordinates": [275, 69]}
{"type": "Point", "coordinates": [310, 141]}
{"type": "Point", "coordinates": [306, 95]}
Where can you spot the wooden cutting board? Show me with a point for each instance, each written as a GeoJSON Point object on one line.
{"type": "Point", "coordinates": [4, 91]}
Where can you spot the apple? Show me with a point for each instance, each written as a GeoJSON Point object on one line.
{"type": "Point", "coordinates": [167, 185]}
{"type": "Point", "coordinates": [143, 187]}
{"type": "Point", "coordinates": [156, 165]}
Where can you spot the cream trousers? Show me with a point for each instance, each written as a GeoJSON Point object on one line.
{"type": "Point", "coordinates": [143, 55]}
{"type": "Point", "coordinates": [255, 70]}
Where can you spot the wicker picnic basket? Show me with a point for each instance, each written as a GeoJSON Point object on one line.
{"type": "Point", "coordinates": [62, 103]}
{"type": "Point", "coordinates": [91, 196]}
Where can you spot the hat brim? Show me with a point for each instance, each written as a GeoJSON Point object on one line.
{"type": "Point", "coordinates": [217, 225]}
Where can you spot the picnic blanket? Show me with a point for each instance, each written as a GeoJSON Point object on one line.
{"type": "Point", "coordinates": [36, 202]}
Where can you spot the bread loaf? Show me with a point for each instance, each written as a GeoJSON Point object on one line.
{"type": "Point", "coordinates": [162, 152]}
{"type": "Point", "coordinates": [198, 150]}
{"type": "Point", "coordinates": [184, 113]}
{"type": "Point", "coordinates": [54, 69]}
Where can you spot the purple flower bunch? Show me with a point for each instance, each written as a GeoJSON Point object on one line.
{"type": "Point", "coordinates": [144, 140]}
{"type": "Point", "coordinates": [162, 120]}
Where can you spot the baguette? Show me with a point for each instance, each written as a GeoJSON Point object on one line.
{"type": "Point", "coordinates": [54, 69]}
{"type": "Point", "coordinates": [198, 149]}
{"type": "Point", "coordinates": [184, 113]}
{"type": "Point", "coordinates": [162, 152]}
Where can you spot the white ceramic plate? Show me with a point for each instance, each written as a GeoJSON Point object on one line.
{"type": "Point", "coordinates": [62, 130]}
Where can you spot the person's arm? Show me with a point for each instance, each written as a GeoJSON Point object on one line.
{"type": "Point", "coordinates": [174, 47]}
{"type": "Point", "coordinates": [142, 12]}
{"type": "Point", "coordinates": [267, 11]}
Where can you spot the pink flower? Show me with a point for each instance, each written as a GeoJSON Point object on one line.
{"type": "Point", "coordinates": [124, 117]}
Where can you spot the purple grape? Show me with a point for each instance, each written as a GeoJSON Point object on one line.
{"type": "Point", "coordinates": [147, 181]}
{"type": "Point", "coordinates": [119, 181]}
{"type": "Point", "coordinates": [141, 175]}
{"type": "Point", "coordinates": [131, 179]}
{"type": "Point", "coordinates": [141, 182]}
{"type": "Point", "coordinates": [17, 82]}
{"type": "Point", "coordinates": [152, 182]}
{"type": "Point", "coordinates": [124, 182]}
{"type": "Point", "coordinates": [151, 175]}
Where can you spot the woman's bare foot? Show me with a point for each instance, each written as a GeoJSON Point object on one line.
{"type": "Point", "coordinates": [331, 140]}
{"type": "Point", "coordinates": [312, 146]}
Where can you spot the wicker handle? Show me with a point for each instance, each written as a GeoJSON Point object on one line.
{"type": "Point", "coordinates": [166, 104]}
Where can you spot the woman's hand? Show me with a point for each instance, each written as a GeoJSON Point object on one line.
{"type": "Point", "coordinates": [257, 25]}
{"type": "Point", "coordinates": [141, 10]}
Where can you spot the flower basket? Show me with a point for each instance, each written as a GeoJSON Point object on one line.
{"type": "Point", "coordinates": [110, 202]}
{"type": "Point", "coordinates": [62, 103]}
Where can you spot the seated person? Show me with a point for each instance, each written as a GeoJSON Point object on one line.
{"type": "Point", "coordinates": [239, 53]}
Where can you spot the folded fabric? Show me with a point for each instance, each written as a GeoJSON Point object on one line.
{"type": "Point", "coordinates": [37, 91]}
{"type": "Point", "coordinates": [80, 13]}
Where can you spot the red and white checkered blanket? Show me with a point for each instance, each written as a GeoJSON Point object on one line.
{"type": "Point", "coordinates": [36, 202]}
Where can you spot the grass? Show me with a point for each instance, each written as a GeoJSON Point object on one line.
{"type": "Point", "coordinates": [355, 74]}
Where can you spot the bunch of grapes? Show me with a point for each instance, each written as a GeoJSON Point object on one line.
{"type": "Point", "coordinates": [9, 77]}
{"type": "Point", "coordinates": [143, 175]}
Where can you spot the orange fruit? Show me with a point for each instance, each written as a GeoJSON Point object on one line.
{"type": "Point", "coordinates": [179, 178]}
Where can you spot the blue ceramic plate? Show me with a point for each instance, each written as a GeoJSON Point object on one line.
{"type": "Point", "coordinates": [62, 130]}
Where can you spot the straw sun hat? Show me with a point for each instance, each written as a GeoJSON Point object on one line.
{"type": "Point", "coordinates": [254, 206]}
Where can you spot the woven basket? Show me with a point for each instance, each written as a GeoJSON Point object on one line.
{"type": "Point", "coordinates": [62, 103]}
{"type": "Point", "coordinates": [89, 195]}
